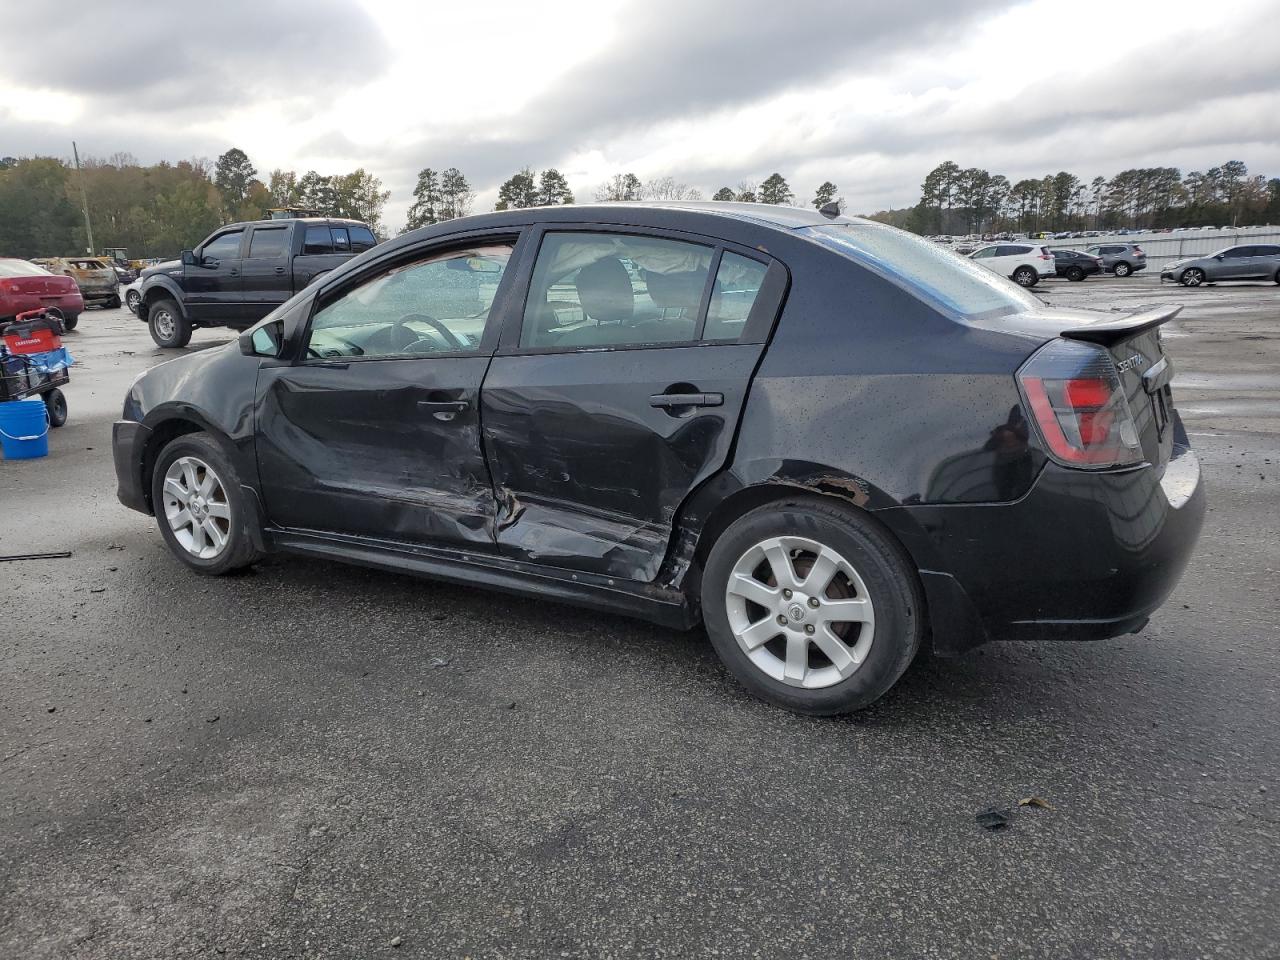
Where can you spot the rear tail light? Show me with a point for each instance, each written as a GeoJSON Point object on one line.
{"type": "Point", "coordinates": [1138, 250]}
{"type": "Point", "coordinates": [6, 286]}
{"type": "Point", "coordinates": [1079, 406]}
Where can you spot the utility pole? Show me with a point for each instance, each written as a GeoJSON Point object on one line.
{"type": "Point", "coordinates": [84, 198]}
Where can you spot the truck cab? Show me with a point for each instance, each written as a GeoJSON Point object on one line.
{"type": "Point", "coordinates": [243, 271]}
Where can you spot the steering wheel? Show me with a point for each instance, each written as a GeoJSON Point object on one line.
{"type": "Point", "coordinates": [435, 325]}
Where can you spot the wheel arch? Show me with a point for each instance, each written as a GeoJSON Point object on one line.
{"type": "Point", "coordinates": [160, 290]}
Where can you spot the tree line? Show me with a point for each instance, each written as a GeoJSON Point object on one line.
{"type": "Point", "coordinates": [158, 209]}
{"type": "Point", "coordinates": [956, 200]}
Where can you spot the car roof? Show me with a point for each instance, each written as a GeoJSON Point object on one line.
{"type": "Point", "coordinates": [258, 223]}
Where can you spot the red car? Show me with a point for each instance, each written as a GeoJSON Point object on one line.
{"type": "Point", "coordinates": [25, 286]}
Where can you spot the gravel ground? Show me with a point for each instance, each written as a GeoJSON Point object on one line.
{"type": "Point", "coordinates": [311, 760]}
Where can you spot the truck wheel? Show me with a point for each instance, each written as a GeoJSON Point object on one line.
{"type": "Point", "coordinates": [169, 328]}
{"type": "Point", "coordinates": [56, 403]}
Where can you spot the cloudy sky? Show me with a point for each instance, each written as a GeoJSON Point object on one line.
{"type": "Point", "coordinates": [870, 94]}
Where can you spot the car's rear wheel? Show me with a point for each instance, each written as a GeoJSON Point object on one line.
{"type": "Point", "coordinates": [69, 323]}
{"type": "Point", "coordinates": [114, 302]}
{"type": "Point", "coordinates": [169, 328]}
{"type": "Point", "coordinates": [1025, 277]}
{"type": "Point", "coordinates": [812, 606]}
{"type": "Point", "coordinates": [199, 506]}
{"type": "Point", "coordinates": [1192, 277]}
{"type": "Point", "coordinates": [1122, 269]}
{"type": "Point", "coordinates": [1075, 273]}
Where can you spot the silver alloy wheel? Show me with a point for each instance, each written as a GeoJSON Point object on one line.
{"type": "Point", "coordinates": [800, 612]}
{"type": "Point", "coordinates": [1024, 277]}
{"type": "Point", "coordinates": [131, 298]}
{"type": "Point", "coordinates": [1193, 277]}
{"type": "Point", "coordinates": [196, 507]}
{"type": "Point", "coordinates": [164, 324]}
{"type": "Point", "coordinates": [1122, 270]}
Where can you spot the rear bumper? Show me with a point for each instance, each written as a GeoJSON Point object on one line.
{"type": "Point", "coordinates": [1082, 556]}
{"type": "Point", "coordinates": [128, 445]}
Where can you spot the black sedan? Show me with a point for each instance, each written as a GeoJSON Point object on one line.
{"type": "Point", "coordinates": [827, 441]}
{"type": "Point", "coordinates": [1075, 265]}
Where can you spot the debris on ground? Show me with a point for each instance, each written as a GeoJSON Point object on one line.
{"type": "Point", "coordinates": [994, 818]}
{"type": "Point", "coordinates": [56, 555]}
{"type": "Point", "coordinates": [1035, 802]}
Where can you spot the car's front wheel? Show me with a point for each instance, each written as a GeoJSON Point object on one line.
{"type": "Point", "coordinates": [169, 328]}
{"type": "Point", "coordinates": [131, 299]}
{"type": "Point", "coordinates": [1026, 277]}
{"type": "Point", "coordinates": [812, 606]}
{"type": "Point", "coordinates": [1192, 277]}
{"type": "Point", "coordinates": [1122, 269]}
{"type": "Point", "coordinates": [199, 506]}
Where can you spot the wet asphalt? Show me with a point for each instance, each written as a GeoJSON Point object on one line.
{"type": "Point", "coordinates": [311, 760]}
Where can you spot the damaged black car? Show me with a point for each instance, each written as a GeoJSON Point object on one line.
{"type": "Point", "coordinates": [827, 441]}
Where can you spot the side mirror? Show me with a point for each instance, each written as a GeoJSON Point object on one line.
{"type": "Point", "coordinates": [188, 258]}
{"type": "Point", "coordinates": [1219, 256]}
{"type": "Point", "coordinates": [264, 341]}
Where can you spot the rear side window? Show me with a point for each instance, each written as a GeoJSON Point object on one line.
{"type": "Point", "coordinates": [362, 239]}
{"type": "Point", "coordinates": [1267, 251]}
{"type": "Point", "coordinates": [317, 241]}
{"type": "Point", "coordinates": [951, 282]}
{"type": "Point", "coordinates": [341, 241]}
{"type": "Point", "coordinates": [611, 290]}
{"type": "Point", "coordinates": [268, 242]}
{"type": "Point", "coordinates": [737, 285]}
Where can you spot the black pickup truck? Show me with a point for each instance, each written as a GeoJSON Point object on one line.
{"type": "Point", "coordinates": [241, 272]}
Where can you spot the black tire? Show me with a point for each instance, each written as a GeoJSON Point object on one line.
{"type": "Point", "coordinates": [69, 323]}
{"type": "Point", "coordinates": [1026, 277]}
{"type": "Point", "coordinates": [1277, 277]}
{"type": "Point", "coordinates": [56, 403]}
{"type": "Point", "coordinates": [886, 571]}
{"type": "Point", "coordinates": [169, 328]}
{"type": "Point", "coordinates": [1122, 269]}
{"type": "Point", "coordinates": [131, 299]}
{"type": "Point", "coordinates": [239, 550]}
{"type": "Point", "coordinates": [114, 302]}
{"type": "Point", "coordinates": [1192, 277]}
{"type": "Point", "coordinates": [1075, 274]}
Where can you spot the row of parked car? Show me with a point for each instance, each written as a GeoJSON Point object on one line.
{"type": "Point", "coordinates": [1028, 262]}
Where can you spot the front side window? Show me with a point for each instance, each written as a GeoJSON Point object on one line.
{"type": "Point", "coordinates": [984, 253]}
{"type": "Point", "coordinates": [268, 242]}
{"type": "Point", "coordinates": [433, 306]}
{"type": "Point", "coordinates": [957, 285]}
{"type": "Point", "coordinates": [609, 290]}
{"type": "Point", "coordinates": [224, 246]}
{"type": "Point", "coordinates": [362, 239]}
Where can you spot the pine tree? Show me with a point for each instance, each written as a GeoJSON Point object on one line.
{"type": "Point", "coordinates": [826, 193]}
{"type": "Point", "coordinates": [775, 190]}
{"type": "Point", "coordinates": [232, 176]}
{"type": "Point", "coordinates": [455, 193]}
{"type": "Point", "coordinates": [518, 192]}
{"type": "Point", "coordinates": [427, 200]}
{"type": "Point", "coordinates": [553, 188]}
{"type": "Point", "coordinates": [724, 193]}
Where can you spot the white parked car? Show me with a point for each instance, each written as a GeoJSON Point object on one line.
{"type": "Point", "coordinates": [131, 294]}
{"type": "Point", "coordinates": [1024, 263]}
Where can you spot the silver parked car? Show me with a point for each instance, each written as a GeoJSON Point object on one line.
{"type": "Point", "coordinates": [1255, 261]}
{"type": "Point", "coordinates": [1121, 259]}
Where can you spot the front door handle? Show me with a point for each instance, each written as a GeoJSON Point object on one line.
{"type": "Point", "coordinates": [668, 401]}
{"type": "Point", "coordinates": [235, 272]}
{"type": "Point", "coordinates": [280, 270]}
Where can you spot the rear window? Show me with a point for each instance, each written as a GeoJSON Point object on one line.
{"type": "Point", "coordinates": [317, 241]}
{"type": "Point", "coordinates": [954, 283]}
{"type": "Point", "coordinates": [22, 268]}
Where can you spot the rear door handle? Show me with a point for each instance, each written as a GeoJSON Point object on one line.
{"type": "Point", "coordinates": [669, 400]}
{"type": "Point", "coordinates": [280, 270]}
{"type": "Point", "coordinates": [443, 406]}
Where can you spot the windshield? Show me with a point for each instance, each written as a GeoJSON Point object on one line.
{"type": "Point", "coordinates": [955, 283]}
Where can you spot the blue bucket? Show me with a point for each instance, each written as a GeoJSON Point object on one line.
{"type": "Point", "coordinates": [24, 429]}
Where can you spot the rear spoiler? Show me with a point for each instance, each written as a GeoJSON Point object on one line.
{"type": "Point", "coordinates": [1111, 332]}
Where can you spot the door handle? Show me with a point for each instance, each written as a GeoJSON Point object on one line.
{"type": "Point", "coordinates": [443, 406]}
{"type": "Point", "coordinates": [280, 270]}
{"type": "Point", "coordinates": [234, 272]}
{"type": "Point", "coordinates": [667, 401]}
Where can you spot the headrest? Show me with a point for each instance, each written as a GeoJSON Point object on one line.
{"type": "Point", "coordinates": [604, 290]}
{"type": "Point", "coordinates": [682, 291]}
